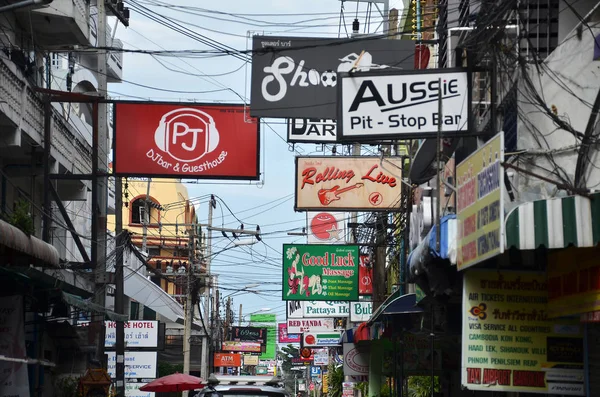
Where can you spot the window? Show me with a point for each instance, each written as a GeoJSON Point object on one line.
{"type": "Point", "coordinates": [138, 213]}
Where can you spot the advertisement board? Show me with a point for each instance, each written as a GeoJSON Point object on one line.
{"type": "Point", "coordinates": [348, 183]}
{"type": "Point", "coordinates": [365, 276]}
{"type": "Point", "coordinates": [321, 356]}
{"type": "Point", "coordinates": [311, 130]}
{"type": "Point", "coordinates": [403, 104]}
{"type": "Point", "coordinates": [480, 205]}
{"type": "Point", "coordinates": [233, 346]}
{"type": "Point", "coordinates": [263, 318]}
{"type": "Point", "coordinates": [320, 272]}
{"type": "Point", "coordinates": [228, 360]}
{"type": "Point", "coordinates": [326, 309]}
{"type": "Point", "coordinates": [138, 333]}
{"type": "Point", "coordinates": [250, 360]}
{"type": "Point", "coordinates": [326, 227]}
{"type": "Point", "coordinates": [137, 364]}
{"type": "Point", "coordinates": [298, 326]}
{"type": "Point", "coordinates": [321, 339]}
{"type": "Point", "coordinates": [296, 77]}
{"type": "Point", "coordinates": [294, 309]}
{"type": "Point", "coordinates": [284, 336]}
{"type": "Point", "coordinates": [356, 360]}
{"type": "Point", "coordinates": [248, 334]}
{"type": "Point", "coordinates": [269, 353]}
{"type": "Point", "coordinates": [360, 311]}
{"type": "Point", "coordinates": [191, 141]}
{"type": "Point", "coordinates": [508, 342]}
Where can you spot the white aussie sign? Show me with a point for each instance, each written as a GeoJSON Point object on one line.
{"type": "Point", "coordinates": [360, 311]}
{"type": "Point", "coordinates": [137, 364]}
{"type": "Point", "coordinates": [298, 326]}
{"type": "Point", "coordinates": [390, 105]}
{"type": "Point", "coordinates": [138, 333]}
{"type": "Point", "coordinates": [311, 130]}
{"type": "Point", "coordinates": [325, 309]}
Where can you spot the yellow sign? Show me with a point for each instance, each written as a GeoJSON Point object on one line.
{"type": "Point", "coordinates": [325, 383]}
{"type": "Point", "coordinates": [479, 207]}
{"type": "Point", "coordinates": [573, 281]}
{"type": "Point", "coordinates": [250, 360]}
{"type": "Point", "coordinates": [508, 342]}
{"type": "Point", "coordinates": [348, 183]}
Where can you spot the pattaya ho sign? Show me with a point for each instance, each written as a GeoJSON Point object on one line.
{"type": "Point", "coordinates": [320, 272]}
{"type": "Point", "coordinates": [348, 183]}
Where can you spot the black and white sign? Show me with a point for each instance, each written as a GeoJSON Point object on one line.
{"type": "Point", "coordinates": [295, 309]}
{"type": "Point", "coordinates": [398, 105]}
{"type": "Point", "coordinates": [311, 130]}
{"type": "Point", "coordinates": [296, 77]}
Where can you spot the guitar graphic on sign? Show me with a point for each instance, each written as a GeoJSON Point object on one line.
{"type": "Point", "coordinates": [327, 196]}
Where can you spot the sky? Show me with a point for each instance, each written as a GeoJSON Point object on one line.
{"type": "Point", "coordinates": [226, 79]}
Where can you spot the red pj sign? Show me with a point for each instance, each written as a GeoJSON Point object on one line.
{"type": "Point", "coordinates": [365, 276]}
{"type": "Point", "coordinates": [185, 141]}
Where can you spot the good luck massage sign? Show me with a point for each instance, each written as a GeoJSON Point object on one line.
{"type": "Point", "coordinates": [315, 272]}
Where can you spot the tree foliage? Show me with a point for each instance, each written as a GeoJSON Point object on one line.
{"type": "Point", "coordinates": [420, 386]}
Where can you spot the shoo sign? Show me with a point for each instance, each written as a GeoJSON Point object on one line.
{"type": "Point", "coordinates": [403, 104]}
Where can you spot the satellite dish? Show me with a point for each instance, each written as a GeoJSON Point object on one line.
{"type": "Point", "coordinates": [423, 166]}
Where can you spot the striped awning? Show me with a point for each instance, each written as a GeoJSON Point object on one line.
{"type": "Point", "coordinates": [555, 223]}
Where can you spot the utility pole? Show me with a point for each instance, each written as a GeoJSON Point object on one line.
{"type": "Point", "coordinates": [146, 220]}
{"type": "Point", "coordinates": [99, 188]}
{"type": "Point", "coordinates": [119, 289]}
{"type": "Point", "coordinates": [189, 306]}
{"type": "Point", "coordinates": [240, 317]}
{"type": "Point", "coordinates": [205, 350]}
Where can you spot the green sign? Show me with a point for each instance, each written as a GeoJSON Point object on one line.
{"type": "Point", "coordinates": [266, 319]}
{"type": "Point", "coordinates": [262, 370]}
{"type": "Point", "coordinates": [263, 318]}
{"type": "Point", "coordinates": [317, 272]}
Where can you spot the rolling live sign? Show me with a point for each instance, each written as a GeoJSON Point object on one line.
{"type": "Point", "coordinates": [320, 272]}
{"type": "Point", "coordinates": [296, 77]}
{"type": "Point", "coordinates": [480, 205]}
{"type": "Point", "coordinates": [509, 343]}
{"type": "Point", "coordinates": [403, 104]}
{"type": "Point", "coordinates": [185, 141]}
{"type": "Point", "coordinates": [348, 183]}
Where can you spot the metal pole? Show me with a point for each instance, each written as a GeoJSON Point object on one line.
{"type": "Point", "coordinates": [119, 289]}
{"type": "Point", "coordinates": [47, 215]}
{"type": "Point", "coordinates": [189, 307]}
{"type": "Point", "coordinates": [438, 142]}
{"type": "Point", "coordinates": [204, 359]}
{"type": "Point", "coordinates": [240, 317]}
{"type": "Point", "coordinates": [146, 219]}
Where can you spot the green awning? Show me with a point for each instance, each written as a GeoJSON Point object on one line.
{"type": "Point", "coordinates": [89, 306]}
{"type": "Point", "coordinates": [555, 223]}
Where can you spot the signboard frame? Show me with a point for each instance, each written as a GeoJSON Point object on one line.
{"type": "Point", "coordinates": [386, 75]}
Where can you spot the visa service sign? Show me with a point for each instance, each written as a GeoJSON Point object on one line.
{"type": "Point", "coordinates": [400, 105]}
{"type": "Point", "coordinates": [185, 141]}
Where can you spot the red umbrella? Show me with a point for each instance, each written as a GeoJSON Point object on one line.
{"type": "Point", "coordinates": [174, 382]}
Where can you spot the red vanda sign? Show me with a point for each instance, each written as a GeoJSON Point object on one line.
{"type": "Point", "coordinates": [185, 141]}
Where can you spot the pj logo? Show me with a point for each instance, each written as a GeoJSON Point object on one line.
{"type": "Point", "coordinates": [186, 134]}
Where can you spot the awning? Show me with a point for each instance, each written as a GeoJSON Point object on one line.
{"type": "Point", "coordinates": [555, 223]}
{"type": "Point", "coordinates": [426, 250]}
{"type": "Point", "coordinates": [89, 306]}
{"type": "Point", "coordinates": [13, 238]}
{"type": "Point", "coordinates": [396, 304]}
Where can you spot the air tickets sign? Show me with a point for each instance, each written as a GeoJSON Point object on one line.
{"type": "Point", "coordinates": [509, 344]}
{"type": "Point", "coordinates": [480, 207]}
{"type": "Point", "coordinates": [191, 141]}
{"type": "Point", "coordinates": [320, 272]}
{"type": "Point", "coordinates": [348, 183]}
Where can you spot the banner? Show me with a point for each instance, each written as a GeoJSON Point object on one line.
{"type": "Point", "coordinates": [284, 336]}
{"type": "Point", "coordinates": [311, 130]}
{"type": "Point", "coordinates": [360, 311]}
{"type": "Point", "coordinates": [365, 276]}
{"type": "Point", "coordinates": [296, 77]}
{"type": "Point", "coordinates": [326, 227]}
{"type": "Point", "coordinates": [137, 364]}
{"type": "Point", "coordinates": [321, 356]}
{"type": "Point", "coordinates": [348, 183]}
{"type": "Point", "coordinates": [228, 360]}
{"type": "Point", "coordinates": [331, 338]}
{"type": "Point", "coordinates": [326, 309]}
{"type": "Point", "coordinates": [250, 360]}
{"type": "Point", "coordinates": [14, 380]}
{"type": "Point", "coordinates": [232, 346]}
{"type": "Point", "coordinates": [248, 334]}
{"type": "Point", "coordinates": [185, 141]}
{"type": "Point", "coordinates": [508, 342]}
{"type": "Point", "coordinates": [298, 326]}
{"type": "Point", "coordinates": [138, 333]}
{"type": "Point", "coordinates": [480, 205]}
{"type": "Point", "coordinates": [320, 272]}
{"type": "Point", "coordinates": [403, 104]}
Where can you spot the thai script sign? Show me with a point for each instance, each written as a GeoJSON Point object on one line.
{"type": "Point", "coordinates": [509, 344]}
{"type": "Point", "coordinates": [233, 346]}
{"type": "Point", "coordinates": [348, 183]}
{"type": "Point", "coordinates": [320, 272]}
{"type": "Point", "coordinates": [480, 206]}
